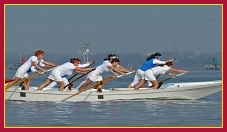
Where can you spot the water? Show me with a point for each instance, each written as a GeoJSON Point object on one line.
{"type": "Point", "coordinates": [205, 112]}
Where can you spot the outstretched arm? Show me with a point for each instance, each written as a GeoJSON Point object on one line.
{"type": "Point", "coordinates": [48, 64]}
{"type": "Point", "coordinates": [82, 70]}
{"type": "Point", "coordinates": [171, 74]}
{"type": "Point", "coordinates": [178, 70]}
{"type": "Point", "coordinates": [113, 70]}
{"type": "Point", "coordinates": [122, 69]}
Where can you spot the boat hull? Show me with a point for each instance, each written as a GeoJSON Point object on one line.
{"type": "Point", "coordinates": [193, 90]}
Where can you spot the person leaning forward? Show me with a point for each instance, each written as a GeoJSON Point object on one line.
{"type": "Point", "coordinates": [65, 69]}
{"type": "Point", "coordinates": [22, 71]}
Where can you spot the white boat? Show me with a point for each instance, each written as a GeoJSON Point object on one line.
{"type": "Point", "coordinates": [186, 90]}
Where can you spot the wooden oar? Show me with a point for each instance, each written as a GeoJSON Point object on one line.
{"type": "Point", "coordinates": [77, 73]}
{"type": "Point", "coordinates": [9, 80]}
{"type": "Point", "coordinates": [161, 82]}
{"type": "Point", "coordinates": [158, 76]}
{"type": "Point", "coordinates": [71, 83]}
{"type": "Point", "coordinates": [31, 77]}
{"type": "Point", "coordinates": [96, 84]}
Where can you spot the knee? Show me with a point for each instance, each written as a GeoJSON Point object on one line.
{"type": "Point", "coordinates": [86, 83]}
{"type": "Point", "coordinates": [155, 86]}
{"type": "Point", "coordinates": [61, 84]}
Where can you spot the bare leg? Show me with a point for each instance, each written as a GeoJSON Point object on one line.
{"type": "Point", "coordinates": [47, 82]}
{"type": "Point", "coordinates": [61, 85]}
{"type": "Point", "coordinates": [87, 82]}
{"type": "Point", "coordinates": [155, 84]}
{"type": "Point", "coordinates": [141, 83]}
{"type": "Point", "coordinates": [27, 84]}
{"type": "Point", "coordinates": [23, 85]}
{"type": "Point", "coordinates": [12, 83]}
{"type": "Point", "coordinates": [100, 86]}
{"type": "Point", "coordinates": [129, 86]}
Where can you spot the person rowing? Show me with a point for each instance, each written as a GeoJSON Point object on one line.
{"type": "Point", "coordinates": [137, 77]}
{"type": "Point", "coordinates": [109, 65]}
{"type": "Point", "coordinates": [151, 62]}
{"type": "Point", "coordinates": [22, 71]}
{"type": "Point", "coordinates": [65, 69]}
{"type": "Point", "coordinates": [65, 79]}
{"type": "Point", "coordinates": [161, 69]}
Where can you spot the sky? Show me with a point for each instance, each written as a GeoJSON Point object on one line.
{"type": "Point", "coordinates": [110, 28]}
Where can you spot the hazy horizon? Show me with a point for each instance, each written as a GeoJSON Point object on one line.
{"type": "Point", "coordinates": [121, 29]}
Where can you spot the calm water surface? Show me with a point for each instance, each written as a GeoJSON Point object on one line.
{"type": "Point", "coordinates": [205, 112]}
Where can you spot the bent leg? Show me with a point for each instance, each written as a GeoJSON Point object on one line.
{"type": "Point", "coordinates": [47, 82]}
{"type": "Point", "coordinates": [87, 82]}
{"type": "Point", "coordinates": [155, 84]}
{"type": "Point", "coordinates": [12, 83]}
{"type": "Point", "coordinates": [141, 83]}
{"type": "Point", "coordinates": [61, 85]}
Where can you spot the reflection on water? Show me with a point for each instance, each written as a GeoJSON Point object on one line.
{"type": "Point", "coordinates": [203, 112]}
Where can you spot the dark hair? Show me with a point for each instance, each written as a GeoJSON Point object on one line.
{"type": "Point", "coordinates": [169, 63]}
{"type": "Point", "coordinates": [152, 56]}
{"type": "Point", "coordinates": [111, 56]}
{"type": "Point", "coordinates": [157, 54]}
{"type": "Point", "coordinates": [38, 52]}
{"type": "Point", "coordinates": [115, 60]}
{"type": "Point", "coordinates": [73, 60]}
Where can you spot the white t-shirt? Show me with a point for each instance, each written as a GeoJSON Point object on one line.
{"type": "Point", "coordinates": [65, 69]}
{"type": "Point", "coordinates": [156, 61]}
{"type": "Point", "coordinates": [33, 69]}
{"type": "Point", "coordinates": [83, 65]}
{"type": "Point", "coordinates": [103, 67]}
{"type": "Point", "coordinates": [160, 69]}
{"type": "Point", "coordinates": [28, 64]}
{"type": "Point", "coordinates": [96, 74]}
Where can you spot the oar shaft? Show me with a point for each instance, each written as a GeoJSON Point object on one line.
{"type": "Point", "coordinates": [96, 84]}
{"type": "Point", "coordinates": [164, 80]}
{"type": "Point", "coordinates": [72, 77]}
{"type": "Point", "coordinates": [172, 77]}
{"type": "Point", "coordinates": [31, 77]}
{"type": "Point", "coordinates": [9, 80]}
{"type": "Point", "coordinates": [70, 83]}
{"type": "Point", "coordinates": [77, 73]}
{"type": "Point", "coordinates": [89, 87]}
{"type": "Point", "coordinates": [17, 83]}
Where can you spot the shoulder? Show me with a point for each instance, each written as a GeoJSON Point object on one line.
{"type": "Point", "coordinates": [166, 67]}
{"type": "Point", "coordinates": [34, 58]}
{"type": "Point", "coordinates": [107, 63]}
{"type": "Point", "coordinates": [68, 63]}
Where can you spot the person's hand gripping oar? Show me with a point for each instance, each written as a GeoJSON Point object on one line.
{"type": "Point", "coordinates": [92, 62]}
{"type": "Point", "coordinates": [71, 83]}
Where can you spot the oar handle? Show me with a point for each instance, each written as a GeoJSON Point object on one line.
{"type": "Point", "coordinates": [171, 77]}
{"type": "Point", "coordinates": [77, 73]}
{"type": "Point", "coordinates": [180, 74]}
{"type": "Point", "coordinates": [70, 83]}
{"type": "Point", "coordinates": [72, 77]}
{"type": "Point", "coordinates": [125, 74]}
